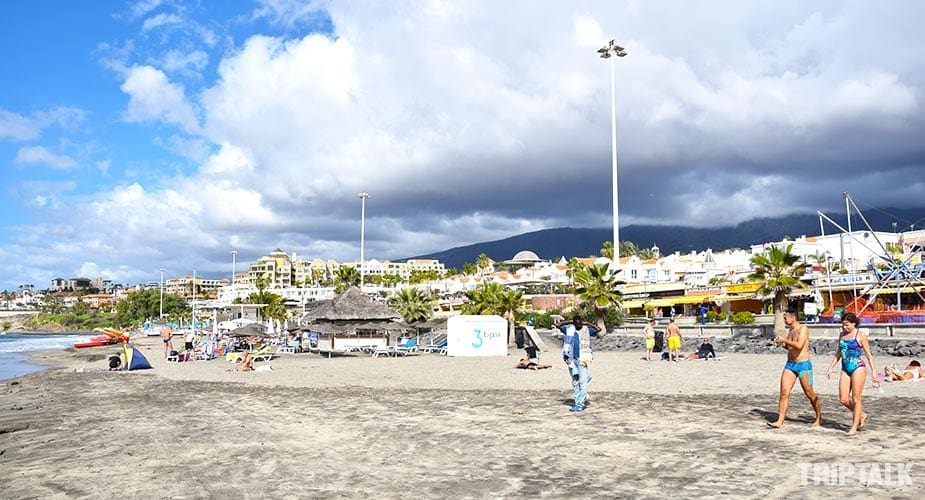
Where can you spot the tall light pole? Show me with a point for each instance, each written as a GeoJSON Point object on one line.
{"type": "Point", "coordinates": [362, 196]}
{"type": "Point", "coordinates": [162, 294]}
{"type": "Point", "coordinates": [608, 52]}
{"type": "Point", "coordinates": [234, 254]}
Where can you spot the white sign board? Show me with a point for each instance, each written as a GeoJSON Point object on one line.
{"type": "Point", "coordinates": [471, 335]}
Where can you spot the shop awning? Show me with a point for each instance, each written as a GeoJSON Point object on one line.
{"type": "Point", "coordinates": [892, 291]}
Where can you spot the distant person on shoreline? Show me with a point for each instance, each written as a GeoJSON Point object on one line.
{"type": "Point", "coordinates": [649, 334]}
{"type": "Point", "coordinates": [674, 340]}
{"type": "Point", "coordinates": [798, 367]}
{"type": "Point", "coordinates": [166, 336]}
{"type": "Point", "coordinates": [852, 349]}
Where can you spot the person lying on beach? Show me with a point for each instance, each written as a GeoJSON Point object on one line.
{"type": "Point", "coordinates": [245, 365]}
{"type": "Point", "coordinates": [912, 371]}
{"type": "Point", "coordinates": [704, 352]}
{"type": "Point", "coordinates": [528, 364]}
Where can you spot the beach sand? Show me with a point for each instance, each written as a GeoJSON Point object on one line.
{"type": "Point", "coordinates": [431, 426]}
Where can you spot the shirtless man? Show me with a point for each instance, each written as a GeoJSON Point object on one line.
{"type": "Point", "coordinates": [798, 367]}
{"type": "Point", "coordinates": [649, 333]}
{"type": "Point", "coordinates": [674, 340]}
{"type": "Point", "coordinates": [166, 335]}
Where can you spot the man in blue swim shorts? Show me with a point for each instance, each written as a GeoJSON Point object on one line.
{"type": "Point", "coordinates": [798, 367]}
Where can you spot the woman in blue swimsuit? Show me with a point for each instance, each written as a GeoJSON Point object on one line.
{"type": "Point", "coordinates": [852, 349]}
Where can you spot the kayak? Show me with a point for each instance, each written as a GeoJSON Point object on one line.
{"type": "Point", "coordinates": [97, 341]}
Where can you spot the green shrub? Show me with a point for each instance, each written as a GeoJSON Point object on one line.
{"type": "Point", "coordinates": [716, 317]}
{"type": "Point", "coordinates": [6, 325]}
{"type": "Point", "coordinates": [743, 318]}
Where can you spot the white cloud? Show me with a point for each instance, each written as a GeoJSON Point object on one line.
{"type": "Point", "coordinates": [467, 121]}
{"type": "Point", "coordinates": [159, 21]}
{"type": "Point", "coordinates": [153, 97]}
{"type": "Point", "coordinates": [21, 128]}
{"type": "Point", "coordinates": [38, 155]}
{"type": "Point", "coordinates": [17, 127]}
{"type": "Point", "coordinates": [175, 60]}
{"type": "Point", "coordinates": [143, 7]}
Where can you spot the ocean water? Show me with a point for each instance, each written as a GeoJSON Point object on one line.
{"type": "Point", "coordinates": [15, 348]}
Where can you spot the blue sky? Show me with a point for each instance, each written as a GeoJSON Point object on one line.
{"type": "Point", "coordinates": [166, 133]}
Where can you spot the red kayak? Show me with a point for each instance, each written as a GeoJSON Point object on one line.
{"type": "Point", "coordinates": [97, 341]}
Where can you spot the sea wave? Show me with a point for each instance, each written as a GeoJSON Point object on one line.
{"type": "Point", "coordinates": [27, 343]}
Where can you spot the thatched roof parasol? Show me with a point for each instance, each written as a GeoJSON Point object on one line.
{"type": "Point", "coordinates": [355, 327]}
{"type": "Point", "coordinates": [352, 305]}
{"type": "Point", "coordinates": [249, 330]}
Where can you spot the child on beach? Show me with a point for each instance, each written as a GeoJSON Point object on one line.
{"type": "Point", "coordinates": [649, 333]}
{"type": "Point", "coordinates": [798, 367]}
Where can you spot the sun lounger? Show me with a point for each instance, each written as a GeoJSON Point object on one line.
{"type": "Point", "coordinates": [435, 347]}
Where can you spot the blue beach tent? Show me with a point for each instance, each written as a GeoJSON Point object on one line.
{"type": "Point", "coordinates": [134, 359]}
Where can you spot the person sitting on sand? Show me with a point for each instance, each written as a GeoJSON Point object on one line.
{"type": "Point", "coordinates": [704, 352]}
{"type": "Point", "coordinates": [529, 364]}
{"type": "Point", "coordinates": [912, 371]}
{"type": "Point", "coordinates": [246, 364]}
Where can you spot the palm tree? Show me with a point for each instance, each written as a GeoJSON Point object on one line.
{"type": "Point", "coordinates": [595, 285]}
{"type": "Point", "coordinates": [780, 270]}
{"type": "Point", "coordinates": [492, 298]}
{"type": "Point", "coordinates": [607, 250]}
{"type": "Point", "coordinates": [469, 269]}
{"type": "Point", "coordinates": [483, 263]}
{"type": "Point", "coordinates": [412, 304]}
{"type": "Point", "coordinates": [346, 277]}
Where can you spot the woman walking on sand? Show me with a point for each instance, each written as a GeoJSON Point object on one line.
{"type": "Point", "coordinates": [852, 345]}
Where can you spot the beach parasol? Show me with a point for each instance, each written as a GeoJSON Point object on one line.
{"type": "Point", "coordinates": [249, 330]}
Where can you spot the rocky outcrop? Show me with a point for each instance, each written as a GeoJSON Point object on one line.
{"type": "Point", "coordinates": [752, 341]}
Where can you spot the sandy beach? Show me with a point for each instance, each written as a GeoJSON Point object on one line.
{"type": "Point", "coordinates": [437, 427]}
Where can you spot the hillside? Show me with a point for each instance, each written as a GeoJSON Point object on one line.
{"type": "Point", "coordinates": [582, 242]}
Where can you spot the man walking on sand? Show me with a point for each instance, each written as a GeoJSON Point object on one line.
{"type": "Point", "coordinates": [576, 352]}
{"type": "Point", "coordinates": [798, 367]}
{"type": "Point", "coordinates": [649, 333]}
{"type": "Point", "coordinates": [674, 340]}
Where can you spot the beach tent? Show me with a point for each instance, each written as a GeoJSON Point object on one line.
{"type": "Point", "coordinates": [134, 359]}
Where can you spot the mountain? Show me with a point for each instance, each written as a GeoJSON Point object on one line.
{"type": "Point", "coordinates": [583, 242]}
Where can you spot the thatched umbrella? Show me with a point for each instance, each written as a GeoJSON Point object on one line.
{"type": "Point", "coordinates": [352, 305]}
{"type": "Point", "coordinates": [249, 330]}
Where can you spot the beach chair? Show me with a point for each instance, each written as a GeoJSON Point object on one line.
{"type": "Point", "coordinates": [410, 346]}
{"type": "Point", "coordinates": [435, 347]}
{"type": "Point", "coordinates": [382, 351]}
{"type": "Point", "coordinates": [265, 354]}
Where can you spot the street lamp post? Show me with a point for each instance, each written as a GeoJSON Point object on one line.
{"type": "Point", "coordinates": [234, 254]}
{"type": "Point", "coordinates": [607, 52]}
{"type": "Point", "coordinates": [162, 294]}
{"type": "Point", "coordinates": [362, 196]}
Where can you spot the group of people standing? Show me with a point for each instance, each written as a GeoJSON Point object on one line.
{"type": "Point", "coordinates": [853, 356]}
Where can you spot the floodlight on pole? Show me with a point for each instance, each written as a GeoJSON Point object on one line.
{"type": "Point", "coordinates": [607, 52]}
{"type": "Point", "coordinates": [162, 294]}
{"type": "Point", "coordinates": [362, 196]}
